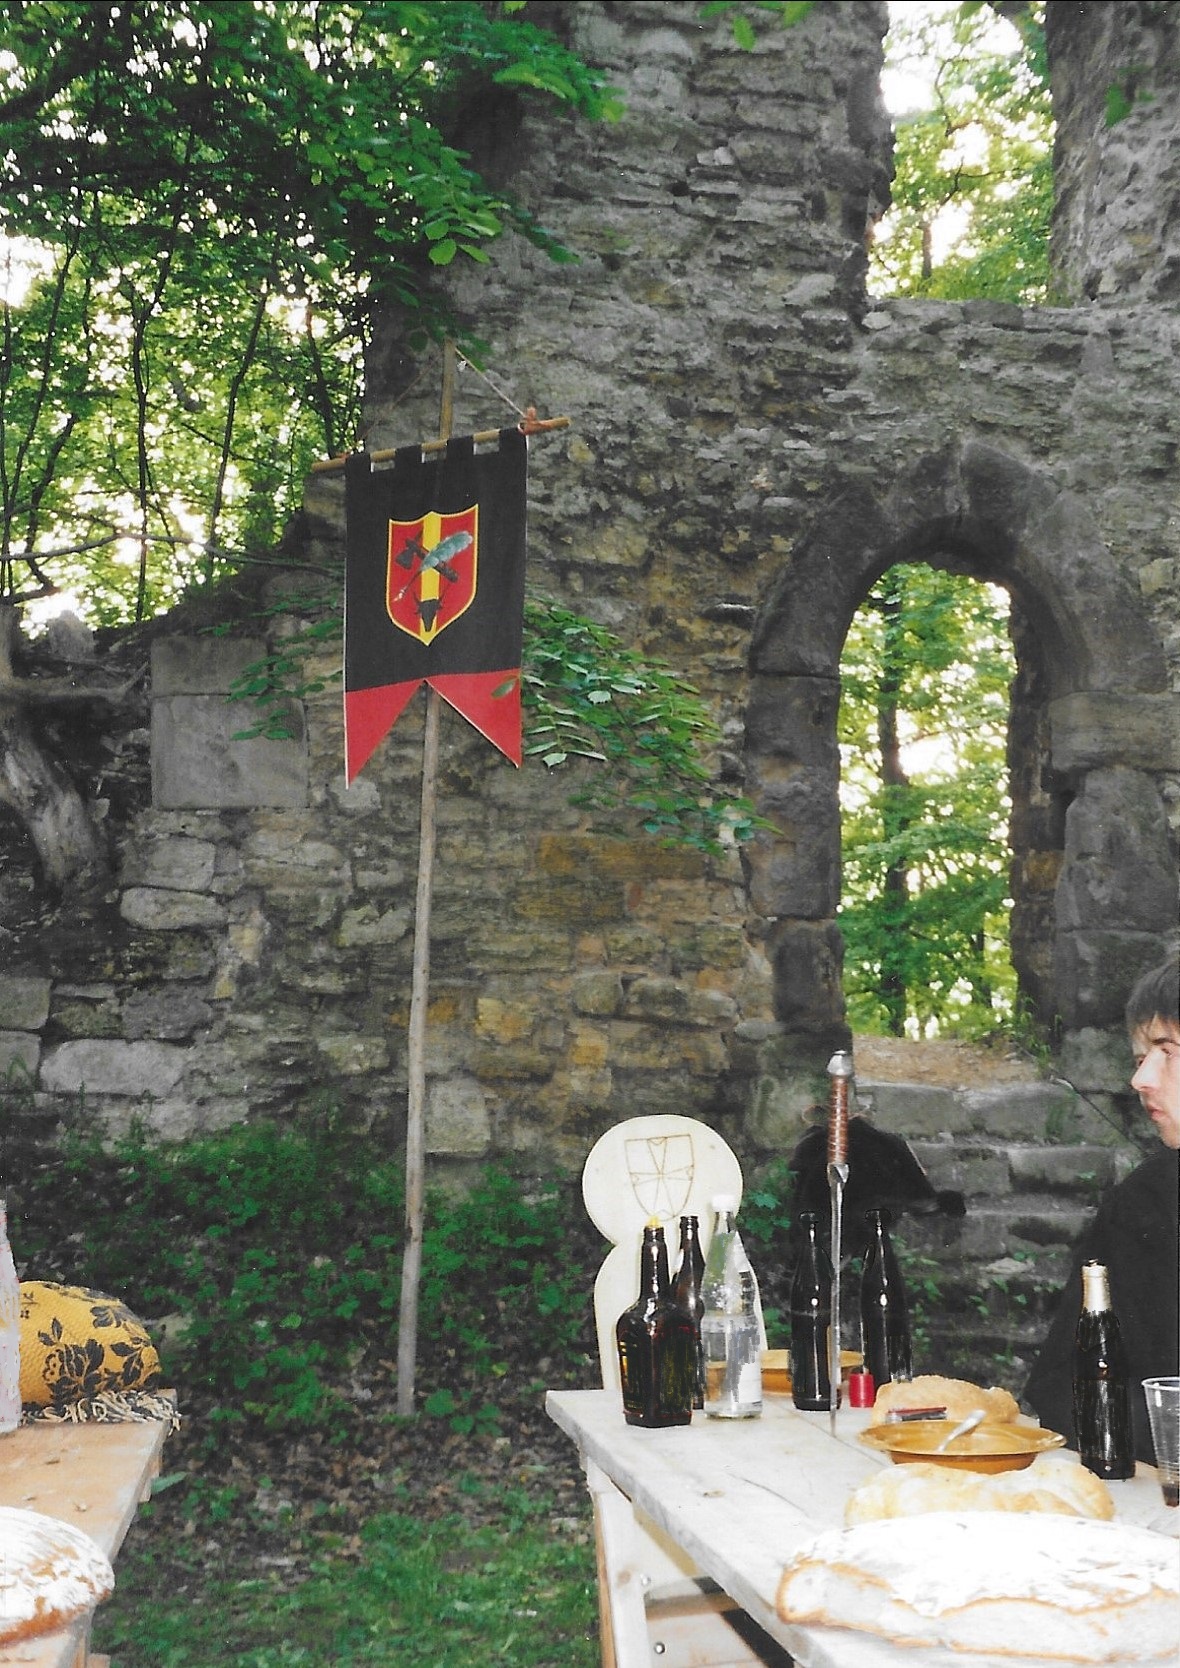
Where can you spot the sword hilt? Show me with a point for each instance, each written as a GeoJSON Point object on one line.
{"type": "Point", "coordinates": [840, 1072]}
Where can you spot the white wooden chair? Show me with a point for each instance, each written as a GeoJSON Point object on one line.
{"type": "Point", "coordinates": [656, 1610]}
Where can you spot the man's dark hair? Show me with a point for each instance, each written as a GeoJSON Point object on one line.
{"type": "Point", "coordinates": [1156, 996]}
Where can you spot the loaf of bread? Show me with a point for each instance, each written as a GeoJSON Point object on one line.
{"type": "Point", "coordinates": [955, 1394]}
{"type": "Point", "coordinates": [995, 1583]}
{"type": "Point", "coordinates": [1054, 1482]}
{"type": "Point", "coordinates": [50, 1572]}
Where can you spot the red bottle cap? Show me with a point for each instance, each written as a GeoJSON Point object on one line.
{"type": "Point", "coordinates": [862, 1392]}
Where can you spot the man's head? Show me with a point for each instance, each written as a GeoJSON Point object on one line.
{"type": "Point", "coordinates": [1153, 1021]}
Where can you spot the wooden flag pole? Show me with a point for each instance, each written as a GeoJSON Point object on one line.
{"type": "Point", "coordinates": [407, 1327]}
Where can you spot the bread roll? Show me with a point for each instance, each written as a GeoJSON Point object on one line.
{"type": "Point", "coordinates": [50, 1572]}
{"type": "Point", "coordinates": [995, 1583]}
{"type": "Point", "coordinates": [955, 1394]}
{"type": "Point", "coordinates": [1054, 1482]}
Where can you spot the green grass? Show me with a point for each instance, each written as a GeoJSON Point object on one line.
{"type": "Point", "coordinates": [439, 1594]}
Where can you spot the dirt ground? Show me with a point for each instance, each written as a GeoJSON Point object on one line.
{"type": "Point", "coordinates": [947, 1065]}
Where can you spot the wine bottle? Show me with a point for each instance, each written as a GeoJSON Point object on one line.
{"type": "Point", "coordinates": [731, 1336]}
{"type": "Point", "coordinates": [884, 1312]}
{"type": "Point", "coordinates": [656, 1344]}
{"type": "Point", "coordinates": [10, 1403]}
{"type": "Point", "coordinates": [811, 1319]}
{"type": "Point", "coordinates": [1101, 1390]}
{"type": "Point", "coordinates": [686, 1290]}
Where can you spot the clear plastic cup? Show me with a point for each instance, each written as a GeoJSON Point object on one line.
{"type": "Point", "coordinates": [1163, 1410]}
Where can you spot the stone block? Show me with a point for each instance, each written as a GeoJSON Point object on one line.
{"type": "Point", "coordinates": [102, 1067]}
{"type": "Point", "coordinates": [197, 763]}
{"type": "Point", "coordinates": [24, 1002]}
{"type": "Point", "coordinates": [1017, 1111]}
{"type": "Point", "coordinates": [506, 1022]}
{"type": "Point", "coordinates": [352, 1055]}
{"type": "Point", "coordinates": [579, 855]}
{"type": "Point", "coordinates": [598, 993]}
{"type": "Point", "coordinates": [795, 719]}
{"type": "Point", "coordinates": [20, 1052]}
{"type": "Point", "coordinates": [368, 925]}
{"type": "Point", "coordinates": [1094, 971]}
{"type": "Point", "coordinates": [458, 1122]}
{"type": "Point", "coordinates": [169, 1015]}
{"type": "Point", "coordinates": [178, 862]}
{"type": "Point", "coordinates": [796, 871]}
{"type": "Point", "coordinates": [1062, 1169]}
{"type": "Point", "coordinates": [972, 1170]}
{"type": "Point", "coordinates": [807, 958]}
{"type": "Point", "coordinates": [1119, 867]}
{"type": "Point", "coordinates": [202, 665]}
{"type": "Point", "coordinates": [1091, 730]}
{"type": "Point", "coordinates": [1097, 1061]}
{"type": "Point", "coordinates": [915, 1109]}
{"type": "Point", "coordinates": [161, 911]}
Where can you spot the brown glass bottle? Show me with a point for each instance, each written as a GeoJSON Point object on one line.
{"type": "Point", "coordinates": [1101, 1392]}
{"type": "Point", "coordinates": [656, 1343]}
{"type": "Point", "coordinates": [686, 1290]}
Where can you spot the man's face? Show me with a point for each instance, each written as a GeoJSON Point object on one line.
{"type": "Point", "coordinates": [1157, 1076]}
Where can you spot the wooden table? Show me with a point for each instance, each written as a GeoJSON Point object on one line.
{"type": "Point", "coordinates": [740, 1497]}
{"type": "Point", "coordinates": [92, 1476]}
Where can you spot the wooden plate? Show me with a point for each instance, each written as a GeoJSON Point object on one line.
{"type": "Point", "coordinates": [986, 1448]}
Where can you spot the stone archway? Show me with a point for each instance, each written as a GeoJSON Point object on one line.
{"type": "Point", "coordinates": [1093, 727]}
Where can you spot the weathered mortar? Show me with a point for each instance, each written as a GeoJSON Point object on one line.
{"type": "Point", "coordinates": [738, 405]}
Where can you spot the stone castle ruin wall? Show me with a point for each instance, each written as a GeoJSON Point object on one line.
{"type": "Point", "coordinates": [753, 441]}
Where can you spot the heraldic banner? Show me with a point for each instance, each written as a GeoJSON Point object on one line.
{"type": "Point", "coordinates": [434, 590]}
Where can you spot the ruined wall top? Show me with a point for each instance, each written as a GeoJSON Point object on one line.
{"type": "Point", "coordinates": [1116, 224]}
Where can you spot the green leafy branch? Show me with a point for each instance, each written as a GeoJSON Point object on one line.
{"type": "Point", "coordinates": [586, 698]}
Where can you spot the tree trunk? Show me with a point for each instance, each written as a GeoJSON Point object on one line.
{"type": "Point", "coordinates": [894, 989]}
{"type": "Point", "coordinates": [36, 788]}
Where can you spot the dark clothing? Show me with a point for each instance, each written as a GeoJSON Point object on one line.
{"type": "Point", "coordinates": [1135, 1235]}
{"type": "Point", "coordinates": [883, 1174]}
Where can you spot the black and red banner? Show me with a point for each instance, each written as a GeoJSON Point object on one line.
{"type": "Point", "coordinates": [434, 590]}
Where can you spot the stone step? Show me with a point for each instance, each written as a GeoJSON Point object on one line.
{"type": "Point", "coordinates": [1021, 1112]}
{"type": "Point", "coordinates": [982, 1169]}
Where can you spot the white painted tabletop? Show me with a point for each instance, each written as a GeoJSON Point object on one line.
{"type": "Point", "coordinates": [742, 1496]}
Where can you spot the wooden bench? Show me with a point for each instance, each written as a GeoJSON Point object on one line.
{"type": "Point", "coordinates": [93, 1476]}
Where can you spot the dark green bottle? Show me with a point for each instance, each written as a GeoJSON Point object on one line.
{"type": "Point", "coordinates": [657, 1345]}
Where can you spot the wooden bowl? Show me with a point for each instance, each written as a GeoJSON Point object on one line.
{"type": "Point", "coordinates": [776, 1368]}
{"type": "Point", "coordinates": [987, 1448]}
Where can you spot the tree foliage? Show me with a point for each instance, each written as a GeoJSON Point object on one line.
{"type": "Point", "coordinates": [209, 201]}
{"type": "Point", "coordinates": [972, 190]}
{"type": "Point", "coordinates": [923, 723]}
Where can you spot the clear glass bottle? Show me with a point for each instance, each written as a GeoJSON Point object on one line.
{"type": "Point", "coordinates": [731, 1336]}
{"type": "Point", "coordinates": [811, 1321]}
{"type": "Point", "coordinates": [9, 1331]}
{"type": "Point", "coordinates": [884, 1311]}
{"type": "Point", "coordinates": [686, 1290]}
{"type": "Point", "coordinates": [656, 1344]}
{"type": "Point", "coordinates": [1101, 1390]}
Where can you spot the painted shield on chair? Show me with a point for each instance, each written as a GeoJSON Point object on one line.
{"type": "Point", "coordinates": [432, 571]}
{"type": "Point", "coordinates": [660, 1169]}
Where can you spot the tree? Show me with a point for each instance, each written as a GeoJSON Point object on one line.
{"type": "Point", "coordinates": [201, 207]}
{"type": "Point", "coordinates": [973, 188]}
{"type": "Point", "coordinates": [923, 724]}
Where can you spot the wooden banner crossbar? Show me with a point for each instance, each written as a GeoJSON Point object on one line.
{"type": "Point", "coordinates": [530, 425]}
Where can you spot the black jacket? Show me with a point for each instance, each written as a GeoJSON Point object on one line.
{"type": "Point", "coordinates": [1135, 1234]}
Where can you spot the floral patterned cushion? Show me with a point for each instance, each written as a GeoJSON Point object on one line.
{"type": "Point", "coordinates": [75, 1344]}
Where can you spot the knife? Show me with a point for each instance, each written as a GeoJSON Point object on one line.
{"type": "Point", "coordinates": [840, 1073]}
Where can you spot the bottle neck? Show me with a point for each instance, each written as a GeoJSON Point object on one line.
{"type": "Point", "coordinates": [1095, 1288]}
{"type": "Point", "coordinates": [654, 1283]}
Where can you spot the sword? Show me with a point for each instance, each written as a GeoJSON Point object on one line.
{"type": "Point", "coordinates": [840, 1072]}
